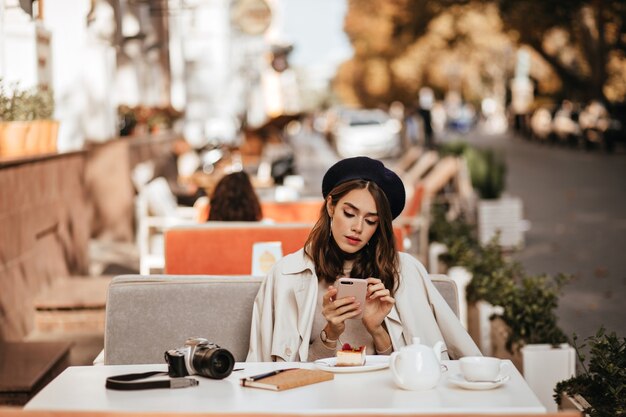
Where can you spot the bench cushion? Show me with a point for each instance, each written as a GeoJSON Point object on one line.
{"type": "Point", "coordinates": [148, 315]}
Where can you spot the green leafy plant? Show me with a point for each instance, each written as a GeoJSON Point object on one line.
{"type": "Point", "coordinates": [529, 310]}
{"type": "Point", "coordinates": [455, 148]}
{"type": "Point", "coordinates": [487, 171]}
{"type": "Point", "coordinates": [41, 101]}
{"type": "Point", "coordinates": [487, 167]}
{"type": "Point", "coordinates": [493, 275]}
{"type": "Point", "coordinates": [17, 104]}
{"type": "Point", "coordinates": [451, 231]}
{"type": "Point", "coordinates": [603, 382]}
{"type": "Point", "coordinates": [529, 302]}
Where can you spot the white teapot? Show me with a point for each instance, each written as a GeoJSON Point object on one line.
{"type": "Point", "coordinates": [417, 367]}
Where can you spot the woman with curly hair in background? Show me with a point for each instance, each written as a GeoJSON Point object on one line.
{"type": "Point", "coordinates": [234, 199]}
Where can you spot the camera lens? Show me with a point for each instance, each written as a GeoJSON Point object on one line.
{"type": "Point", "coordinates": [213, 362]}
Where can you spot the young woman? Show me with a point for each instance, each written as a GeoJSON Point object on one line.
{"type": "Point", "coordinates": [297, 316]}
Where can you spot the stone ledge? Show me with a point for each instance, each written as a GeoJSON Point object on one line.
{"type": "Point", "coordinates": [74, 293]}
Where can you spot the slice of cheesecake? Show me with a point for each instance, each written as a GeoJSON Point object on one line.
{"type": "Point", "coordinates": [349, 356]}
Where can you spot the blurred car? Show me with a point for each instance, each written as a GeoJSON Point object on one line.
{"type": "Point", "coordinates": [370, 133]}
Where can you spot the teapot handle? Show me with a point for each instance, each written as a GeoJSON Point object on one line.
{"type": "Point", "coordinates": [392, 365]}
{"type": "Point", "coordinates": [438, 348]}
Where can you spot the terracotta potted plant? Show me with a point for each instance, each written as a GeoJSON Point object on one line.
{"type": "Point", "coordinates": [26, 125]}
{"type": "Point", "coordinates": [14, 124]}
{"type": "Point", "coordinates": [599, 389]}
{"type": "Point", "coordinates": [43, 135]}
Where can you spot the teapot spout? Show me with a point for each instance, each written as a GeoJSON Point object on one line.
{"type": "Point", "coordinates": [438, 348]}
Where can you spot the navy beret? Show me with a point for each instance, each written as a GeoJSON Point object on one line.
{"type": "Point", "coordinates": [362, 167]}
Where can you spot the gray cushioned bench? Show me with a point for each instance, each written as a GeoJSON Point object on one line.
{"type": "Point", "coordinates": [147, 315]}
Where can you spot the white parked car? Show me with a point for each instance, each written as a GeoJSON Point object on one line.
{"type": "Point", "coordinates": [370, 133]}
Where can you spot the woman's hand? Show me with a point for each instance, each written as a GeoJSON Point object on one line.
{"type": "Point", "coordinates": [378, 304]}
{"type": "Point", "coordinates": [337, 311]}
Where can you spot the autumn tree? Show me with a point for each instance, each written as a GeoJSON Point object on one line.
{"type": "Point", "coordinates": [401, 44]}
{"type": "Point", "coordinates": [583, 40]}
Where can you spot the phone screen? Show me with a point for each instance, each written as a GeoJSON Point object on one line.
{"type": "Point", "coordinates": [353, 287]}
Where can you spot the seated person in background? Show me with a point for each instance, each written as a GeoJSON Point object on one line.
{"type": "Point", "coordinates": [296, 315]}
{"type": "Point", "coordinates": [234, 199]}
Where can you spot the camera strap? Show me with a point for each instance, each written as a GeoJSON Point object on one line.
{"type": "Point", "coordinates": [127, 382]}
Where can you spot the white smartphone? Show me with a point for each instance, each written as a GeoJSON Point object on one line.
{"type": "Point", "coordinates": [353, 287]}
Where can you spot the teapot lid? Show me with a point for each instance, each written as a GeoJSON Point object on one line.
{"type": "Point", "coordinates": [416, 345]}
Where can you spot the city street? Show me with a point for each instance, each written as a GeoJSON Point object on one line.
{"type": "Point", "coordinates": [576, 206]}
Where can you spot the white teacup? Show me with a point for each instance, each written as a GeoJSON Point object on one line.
{"type": "Point", "coordinates": [481, 368]}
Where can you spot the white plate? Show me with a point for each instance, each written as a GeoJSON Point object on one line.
{"type": "Point", "coordinates": [461, 382]}
{"type": "Point", "coordinates": [372, 363]}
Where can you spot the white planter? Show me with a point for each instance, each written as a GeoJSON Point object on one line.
{"type": "Point", "coordinates": [545, 366]}
{"type": "Point", "coordinates": [504, 215]}
{"type": "Point", "coordinates": [435, 250]}
{"type": "Point", "coordinates": [461, 277]}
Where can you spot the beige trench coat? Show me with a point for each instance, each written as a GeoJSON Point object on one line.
{"type": "Point", "coordinates": [283, 311]}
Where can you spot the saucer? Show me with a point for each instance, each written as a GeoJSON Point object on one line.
{"type": "Point", "coordinates": [461, 382]}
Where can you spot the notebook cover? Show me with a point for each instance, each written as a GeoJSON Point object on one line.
{"type": "Point", "coordinates": [290, 379]}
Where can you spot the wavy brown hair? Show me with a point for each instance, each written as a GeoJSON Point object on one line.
{"type": "Point", "coordinates": [234, 199]}
{"type": "Point", "coordinates": [377, 259]}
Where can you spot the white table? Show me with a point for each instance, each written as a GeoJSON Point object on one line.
{"type": "Point", "coordinates": [81, 388]}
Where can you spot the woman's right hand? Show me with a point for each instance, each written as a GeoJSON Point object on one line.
{"type": "Point", "coordinates": [337, 311]}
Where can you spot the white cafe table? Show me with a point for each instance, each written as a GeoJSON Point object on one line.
{"type": "Point", "coordinates": [81, 388]}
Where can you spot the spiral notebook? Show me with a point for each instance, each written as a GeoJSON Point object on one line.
{"type": "Point", "coordinates": [287, 379]}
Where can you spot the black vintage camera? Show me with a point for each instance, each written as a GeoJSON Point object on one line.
{"type": "Point", "coordinates": [199, 356]}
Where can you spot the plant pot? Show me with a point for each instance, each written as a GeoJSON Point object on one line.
{"type": "Point", "coordinates": [48, 143]}
{"type": "Point", "coordinates": [479, 324]}
{"type": "Point", "coordinates": [499, 334]}
{"type": "Point", "coordinates": [546, 365]}
{"type": "Point", "coordinates": [503, 215]}
{"type": "Point", "coordinates": [435, 250]}
{"type": "Point", "coordinates": [574, 402]}
{"type": "Point", "coordinates": [33, 141]}
{"type": "Point", "coordinates": [13, 138]}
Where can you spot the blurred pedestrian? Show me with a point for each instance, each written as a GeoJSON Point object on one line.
{"type": "Point", "coordinates": [426, 101]}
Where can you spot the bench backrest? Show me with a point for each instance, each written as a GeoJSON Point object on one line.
{"type": "Point", "coordinates": [148, 315]}
{"type": "Point", "coordinates": [299, 211]}
{"type": "Point", "coordinates": [225, 248]}
{"type": "Point", "coordinates": [447, 288]}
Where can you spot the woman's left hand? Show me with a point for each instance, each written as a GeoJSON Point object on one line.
{"type": "Point", "coordinates": [378, 304]}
